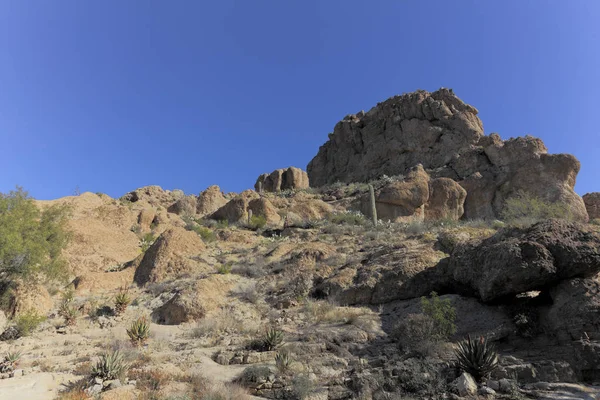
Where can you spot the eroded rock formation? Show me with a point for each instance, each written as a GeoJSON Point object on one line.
{"type": "Point", "coordinates": [282, 179]}
{"type": "Point", "coordinates": [441, 132]}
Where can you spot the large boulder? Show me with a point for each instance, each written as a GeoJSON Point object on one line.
{"type": "Point", "coordinates": [291, 178]}
{"type": "Point", "coordinates": [171, 255]}
{"type": "Point", "coordinates": [210, 201]}
{"type": "Point", "coordinates": [154, 195]}
{"type": "Point", "coordinates": [184, 206]}
{"type": "Point", "coordinates": [592, 204]}
{"type": "Point", "coordinates": [517, 260]}
{"type": "Point", "coordinates": [441, 132]}
{"type": "Point", "coordinates": [446, 200]}
{"type": "Point", "coordinates": [236, 210]}
{"type": "Point", "coordinates": [264, 208]}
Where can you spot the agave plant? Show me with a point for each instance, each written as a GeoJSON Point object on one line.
{"type": "Point", "coordinates": [283, 361]}
{"type": "Point", "coordinates": [273, 338]}
{"type": "Point", "coordinates": [10, 361]}
{"type": "Point", "coordinates": [110, 366]}
{"type": "Point", "coordinates": [68, 312]}
{"type": "Point", "coordinates": [477, 357]}
{"type": "Point", "coordinates": [122, 300]}
{"type": "Point", "coordinates": [139, 331]}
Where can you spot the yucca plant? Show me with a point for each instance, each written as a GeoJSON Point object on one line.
{"type": "Point", "coordinates": [477, 357]}
{"type": "Point", "coordinates": [122, 300]}
{"type": "Point", "coordinates": [110, 366]}
{"type": "Point", "coordinates": [68, 311]}
{"type": "Point", "coordinates": [10, 361]}
{"type": "Point", "coordinates": [283, 361]}
{"type": "Point", "coordinates": [273, 338]}
{"type": "Point", "coordinates": [139, 331]}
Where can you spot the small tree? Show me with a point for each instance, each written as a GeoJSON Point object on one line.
{"type": "Point", "coordinates": [443, 314]}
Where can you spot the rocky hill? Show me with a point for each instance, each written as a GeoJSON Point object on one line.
{"type": "Point", "coordinates": [445, 135]}
{"type": "Point", "coordinates": [292, 292]}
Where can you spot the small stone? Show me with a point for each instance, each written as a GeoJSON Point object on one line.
{"type": "Point", "coordinates": [466, 385]}
{"type": "Point", "coordinates": [542, 385]}
{"type": "Point", "coordinates": [114, 384]}
{"type": "Point", "coordinates": [132, 383]}
{"type": "Point", "coordinates": [98, 381]}
{"type": "Point", "coordinates": [494, 385]}
{"type": "Point", "coordinates": [506, 385]}
{"type": "Point", "coordinates": [485, 391]}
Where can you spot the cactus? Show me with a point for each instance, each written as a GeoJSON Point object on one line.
{"type": "Point", "coordinates": [373, 208]}
{"type": "Point", "coordinates": [249, 216]}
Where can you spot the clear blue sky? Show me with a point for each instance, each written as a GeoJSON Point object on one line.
{"type": "Point", "coordinates": [109, 96]}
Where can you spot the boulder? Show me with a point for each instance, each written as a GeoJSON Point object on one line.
{"type": "Point", "coordinates": [236, 210]}
{"type": "Point", "coordinates": [171, 255]}
{"type": "Point", "coordinates": [184, 206]}
{"type": "Point", "coordinates": [181, 308]}
{"type": "Point", "coordinates": [592, 204]}
{"type": "Point", "coordinates": [441, 132]}
{"type": "Point", "coordinates": [446, 200]}
{"type": "Point", "coordinates": [515, 260]}
{"type": "Point", "coordinates": [146, 218]}
{"type": "Point", "coordinates": [27, 297]}
{"type": "Point", "coordinates": [291, 178]}
{"type": "Point", "coordinates": [154, 195]}
{"type": "Point", "coordinates": [210, 201]}
{"type": "Point", "coordinates": [466, 385]}
{"type": "Point", "coordinates": [263, 207]}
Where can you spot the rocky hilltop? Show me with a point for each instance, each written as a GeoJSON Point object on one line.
{"type": "Point", "coordinates": [445, 135]}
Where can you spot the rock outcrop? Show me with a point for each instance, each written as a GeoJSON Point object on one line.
{"type": "Point", "coordinates": [171, 255]}
{"type": "Point", "coordinates": [417, 197]}
{"type": "Point", "coordinates": [282, 179]}
{"type": "Point", "coordinates": [517, 260]}
{"type": "Point", "coordinates": [236, 209]}
{"type": "Point", "coordinates": [210, 201]}
{"type": "Point", "coordinates": [441, 132]}
{"type": "Point", "coordinates": [592, 204]}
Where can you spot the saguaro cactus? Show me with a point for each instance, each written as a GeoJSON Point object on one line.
{"type": "Point", "coordinates": [249, 216]}
{"type": "Point", "coordinates": [373, 208]}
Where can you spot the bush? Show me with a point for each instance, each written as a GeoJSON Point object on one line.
{"type": "Point", "coordinates": [28, 322]}
{"type": "Point", "coordinates": [417, 333]}
{"type": "Point", "coordinates": [147, 241]}
{"type": "Point", "coordinates": [225, 269]}
{"type": "Point", "coordinates": [272, 339]}
{"type": "Point", "coordinates": [347, 218]}
{"type": "Point", "coordinates": [110, 366]}
{"type": "Point", "coordinates": [302, 387]}
{"type": "Point", "coordinates": [122, 300]}
{"type": "Point", "coordinates": [257, 222]}
{"type": "Point", "coordinates": [525, 209]}
{"type": "Point", "coordinates": [31, 240]}
{"type": "Point", "coordinates": [206, 234]}
{"type": "Point", "coordinates": [68, 312]}
{"type": "Point", "coordinates": [442, 313]}
{"type": "Point", "coordinates": [139, 331]}
{"type": "Point", "coordinates": [254, 374]}
{"type": "Point", "coordinates": [476, 357]}
{"type": "Point", "coordinates": [283, 361]}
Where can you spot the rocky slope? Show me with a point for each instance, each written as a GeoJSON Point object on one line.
{"type": "Point", "coordinates": [444, 135]}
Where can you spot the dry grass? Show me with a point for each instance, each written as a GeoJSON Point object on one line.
{"type": "Point", "coordinates": [324, 312]}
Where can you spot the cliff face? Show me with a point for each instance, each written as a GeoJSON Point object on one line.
{"type": "Point", "coordinates": [445, 135]}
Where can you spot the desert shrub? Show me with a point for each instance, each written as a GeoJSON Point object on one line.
{"type": "Point", "coordinates": [443, 314]}
{"type": "Point", "coordinates": [225, 268]}
{"type": "Point", "coordinates": [272, 338]}
{"type": "Point", "coordinates": [247, 292]}
{"type": "Point", "coordinates": [68, 311]}
{"type": "Point", "coordinates": [254, 374]}
{"type": "Point", "coordinates": [249, 270]}
{"type": "Point", "coordinates": [416, 333]}
{"type": "Point", "coordinates": [283, 361]}
{"type": "Point", "coordinates": [122, 300]}
{"type": "Point", "coordinates": [146, 241]}
{"type": "Point", "coordinates": [139, 331]}
{"type": "Point", "coordinates": [205, 233]}
{"type": "Point", "coordinates": [423, 377]}
{"type": "Point", "coordinates": [302, 387]}
{"type": "Point", "coordinates": [347, 218]}
{"type": "Point", "coordinates": [477, 357]}
{"type": "Point", "coordinates": [28, 322]}
{"type": "Point", "coordinates": [31, 240]}
{"type": "Point", "coordinates": [526, 209]}
{"type": "Point", "coordinates": [257, 222]}
{"type": "Point", "coordinates": [110, 366]}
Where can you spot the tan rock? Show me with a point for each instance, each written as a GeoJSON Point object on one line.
{"type": "Point", "coordinates": [446, 200]}
{"type": "Point", "coordinates": [170, 256]}
{"type": "Point", "coordinates": [592, 204]}
{"type": "Point", "coordinates": [153, 195]}
{"type": "Point", "coordinates": [263, 207]}
{"type": "Point", "coordinates": [236, 210]}
{"type": "Point", "coordinates": [146, 218]}
{"type": "Point", "coordinates": [27, 297]}
{"type": "Point", "coordinates": [291, 178]}
{"type": "Point", "coordinates": [445, 135]}
{"type": "Point", "coordinates": [210, 201]}
{"type": "Point", "coordinates": [184, 206]}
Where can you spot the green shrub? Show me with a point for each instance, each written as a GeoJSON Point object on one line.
{"type": "Point", "coordinates": [476, 357]}
{"type": "Point", "coordinates": [347, 218]}
{"type": "Point", "coordinates": [31, 240]}
{"type": "Point", "coordinates": [443, 314]}
{"type": "Point", "coordinates": [416, 333]}
{"type": "Point", "coordinates": [225, 269]}
{"type": "Point", "coordinates": [206, 234]}
{"type": "Point", "coordinates": [147, 241]}
{"type": "Point", "coordinates": [525, 209]}
{"type": "Point", "coordinates": [257, 222]}
{"type": "Point", "coordinates": [302, 387]}
{"type": "Point", "coordinates": [254, 374]}
{"type": "Point", "coordinates": [122, 300]}
{"type": "Point", "coordinates": [28, 322]}
{"type": "Point", "coordinates": [110, 366]}
{"type": "Point", "coordinates": [139, 331]}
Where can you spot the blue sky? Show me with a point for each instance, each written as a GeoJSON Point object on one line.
{"type": "Point", "coordinates": [108, 96]}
